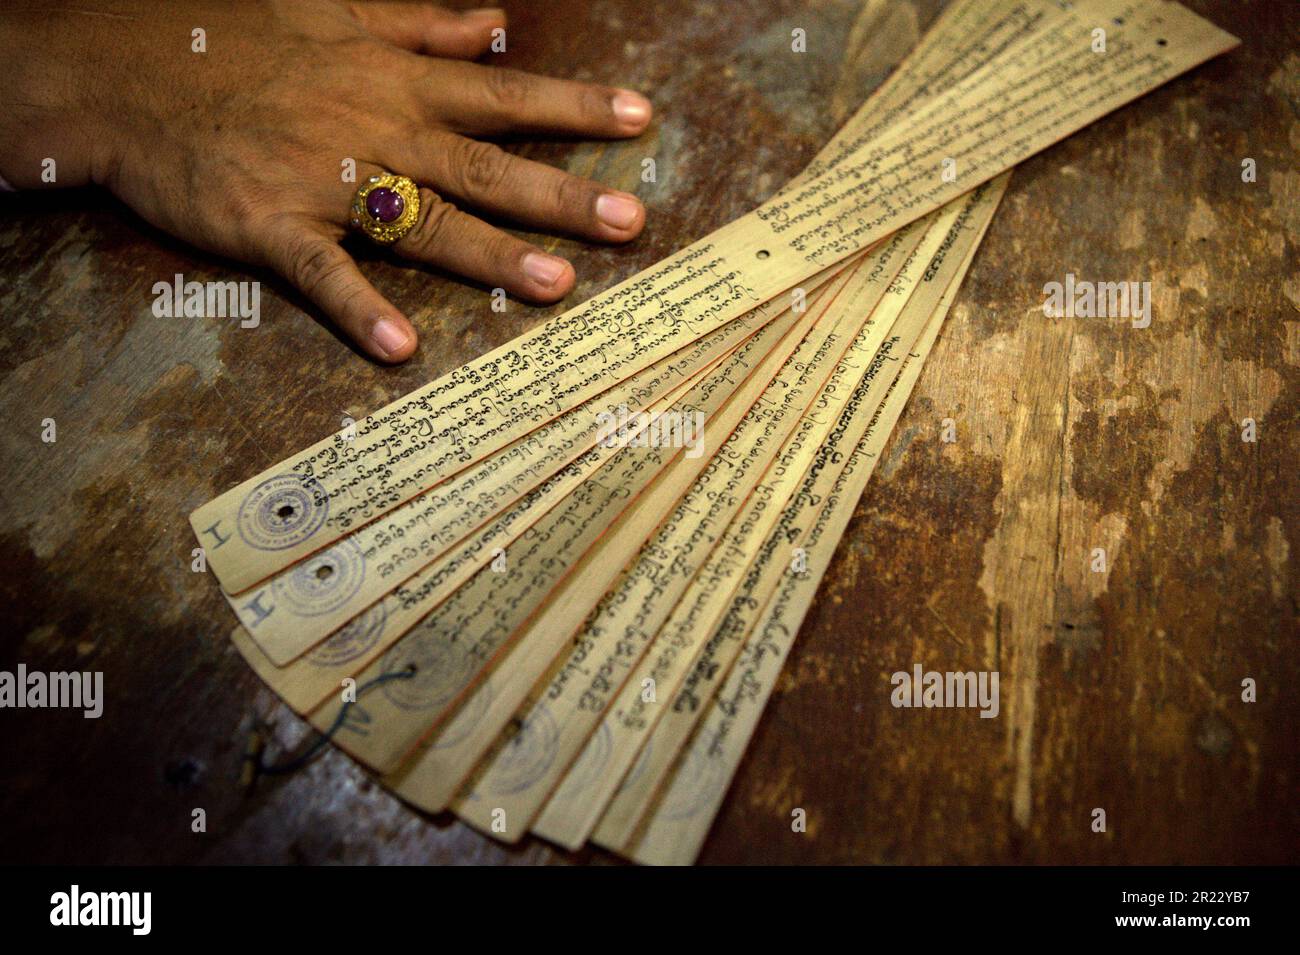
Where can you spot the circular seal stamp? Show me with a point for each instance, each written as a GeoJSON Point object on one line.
{"type": "Point", "coordinates": [528, 755]}
{"type": "Point", "coordinates": [323, 582]}
{"type": "Point", "coordinates": [280, 512]}
{"type": "Point", "coordinates": [353, 640]}
{"type": "Point", "coordinates": [457, 729]}
{"type": "Point", "coordinates": [440, 668]}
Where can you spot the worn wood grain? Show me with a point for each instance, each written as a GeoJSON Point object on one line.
{"type": "Point", "coordinates": [1120, 690]}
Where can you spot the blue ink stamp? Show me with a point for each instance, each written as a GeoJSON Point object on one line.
{"type": "Point", "coordinates": [281, 512]}
{"type": "Point", "coordinates": [528, 755]}
{"type": "Point", "coordinates": [357, 637]}
{"type": "Point", "coordinates": [457, 729]}
{"type": "Point", "coordinates": [440, 666]}
{"type": "Point", "coordinates": [324, 582]}
{"type": "Point", "coordinates": [701, 777]}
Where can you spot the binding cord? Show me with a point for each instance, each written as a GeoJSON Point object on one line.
{"type": "Point", "coordinates": [253, 755]}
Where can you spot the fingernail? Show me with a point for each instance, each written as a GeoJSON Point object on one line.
{"type": "Point", "coordinates": [632, 109]}
{"type": "Point", "coordinates": [390, 336]}
{"type": "Point", "coordinates": [616, 211]}
{"type": "Point", "coordinates": [544, 269]}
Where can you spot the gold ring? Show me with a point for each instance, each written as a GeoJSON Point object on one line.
{"type": "Point", "coordinates": [385, 207]}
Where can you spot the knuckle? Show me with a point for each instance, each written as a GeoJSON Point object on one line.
{"type": "Point", "coordinates": [575, 197]}
{"type": "Point", "coordinates": [245, 205]}
{"type": "Point", "coordinates": [510, 89]}
{"type": "Point", "coordinates": [314, 264]}
{"type": "Point", "coordinates": [433, 223]}
{"type": "Point", "coordinates": [504, 251]}
{"type": "Point", "coordinates": [352, 294]}
{"type": "Point", "coordinates": [362, 50]}
{"type": "Point", "coordinates": [482, 167]}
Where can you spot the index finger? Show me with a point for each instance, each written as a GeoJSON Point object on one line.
{"type": "Point", "coordinates": [489, 100]}
{"type": "Point", "coordinates": [431, 30]}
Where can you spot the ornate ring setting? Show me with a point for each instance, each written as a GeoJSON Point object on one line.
{"type": "Point", "coordinates": [385, 207]}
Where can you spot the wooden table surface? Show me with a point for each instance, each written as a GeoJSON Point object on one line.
{"type": "Point", "coordinates": [1121, 690]}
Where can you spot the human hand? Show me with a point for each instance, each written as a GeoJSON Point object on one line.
{"type": "Point", "coordinates": [239, 149]}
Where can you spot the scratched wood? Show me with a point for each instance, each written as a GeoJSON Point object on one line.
{"type": "Point", "coordinates": [1120, 690]}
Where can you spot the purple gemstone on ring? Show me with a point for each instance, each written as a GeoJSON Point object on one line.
{"type": "Point", "coordinates": [384, 205]}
